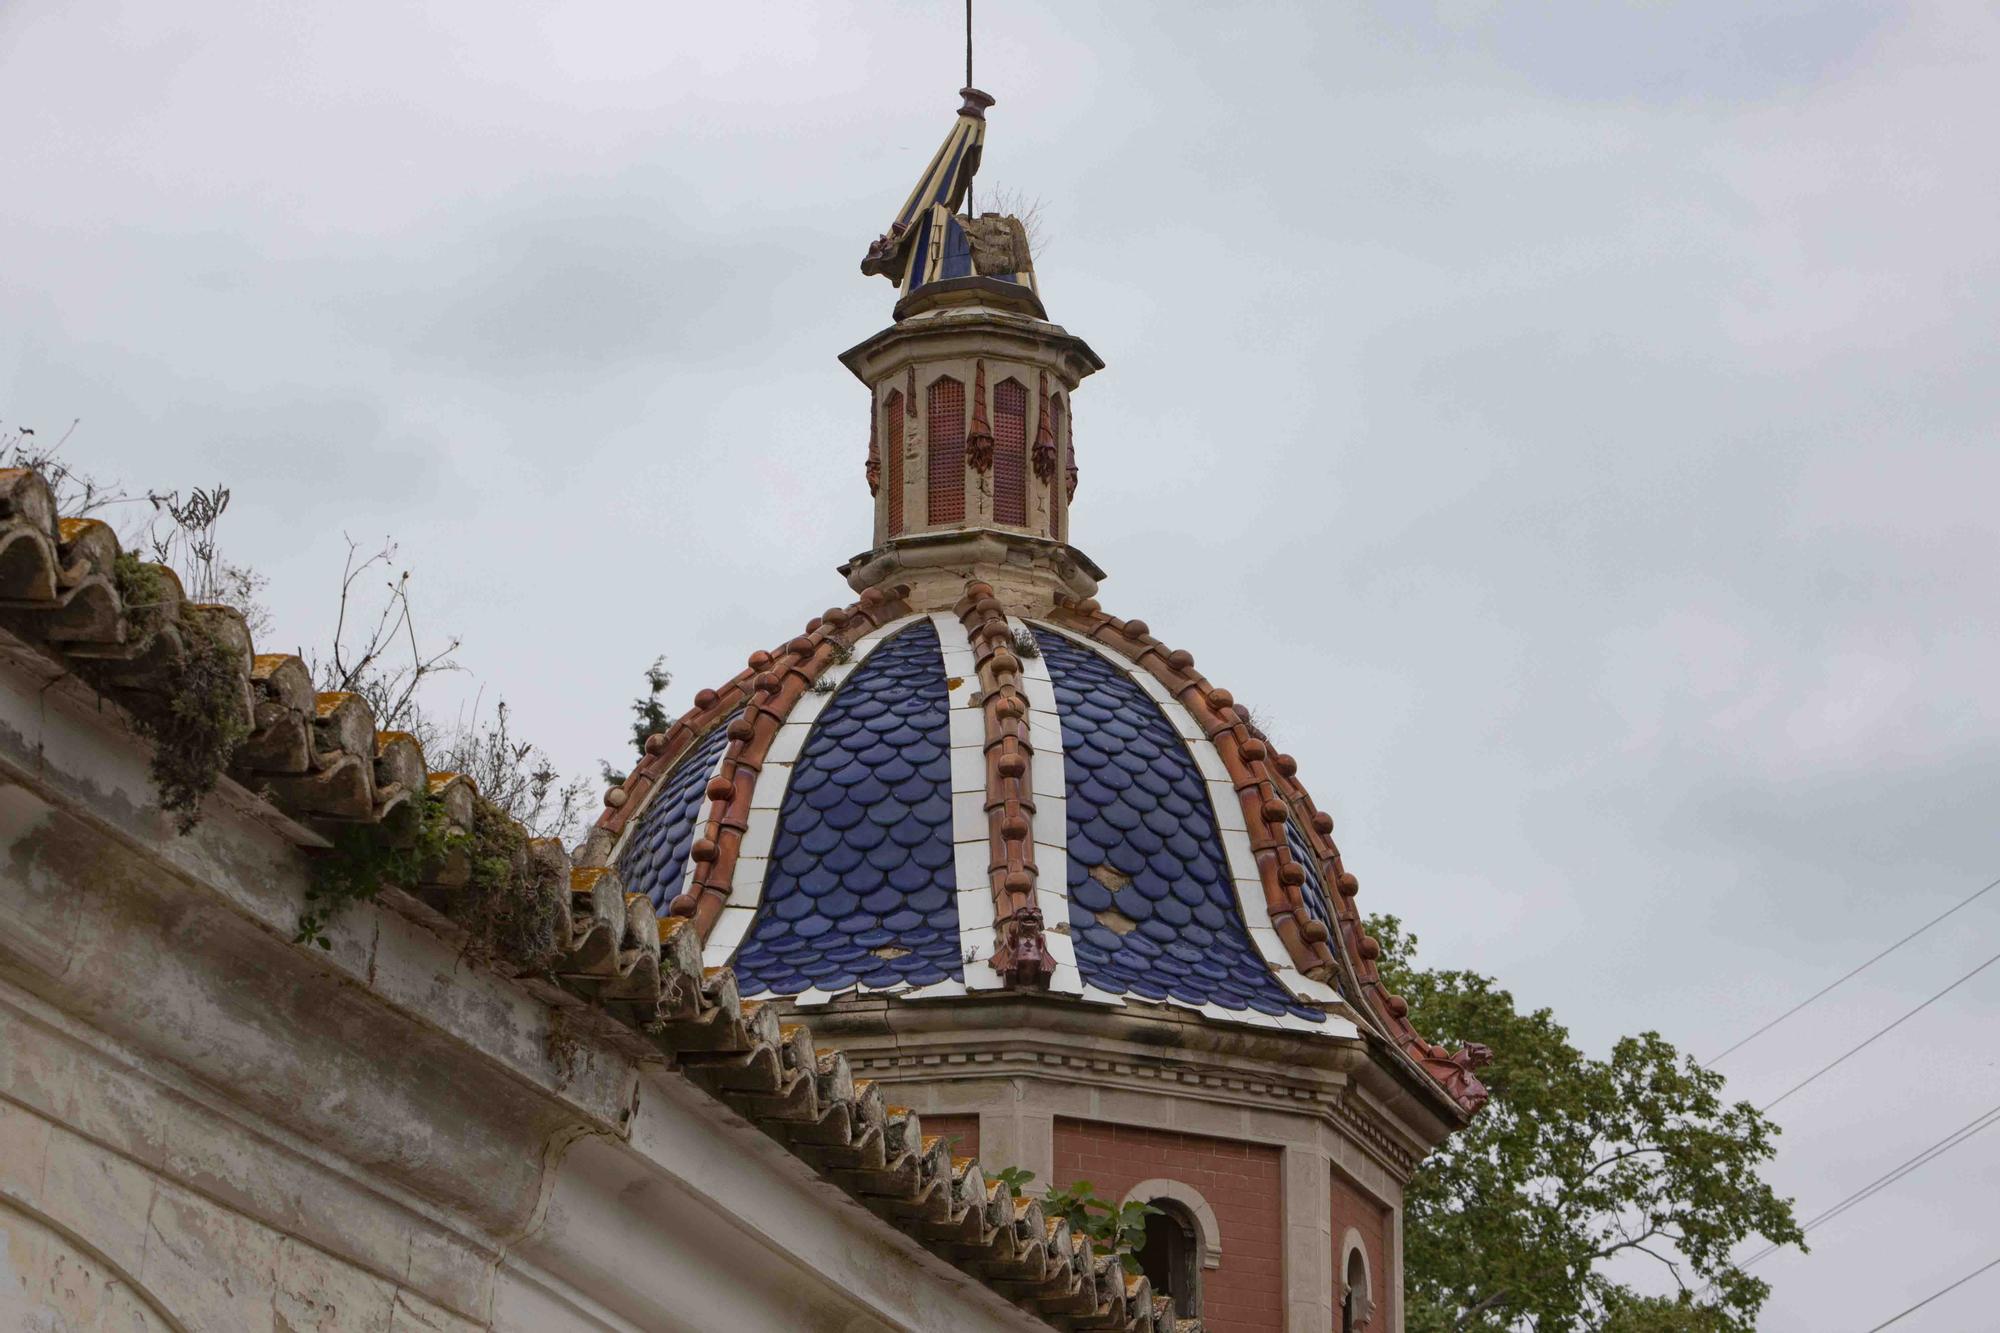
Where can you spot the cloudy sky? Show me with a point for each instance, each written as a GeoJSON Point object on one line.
{"type": "Point", "coordinates": [1573, 425]}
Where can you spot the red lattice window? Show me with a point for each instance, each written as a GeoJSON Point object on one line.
{"type": "Point", "coordinates": [945, 425]}
{"type": "Point", "coordinates": [1010, 452]}
{"type": "Point", "coordinates": [892, 466]}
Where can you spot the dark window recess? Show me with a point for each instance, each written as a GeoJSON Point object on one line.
{"type": "Point", "coordinates": [1171, 1257]}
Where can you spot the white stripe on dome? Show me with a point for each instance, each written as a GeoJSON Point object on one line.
{"type": "Point", "coordinates": [767, 798]}
{"type": "Point", "coordinates": [971, 838]}
{"type": "Point", "coordinates": [1048, 780]}
{"type": "Point", "coordinates": [1228, 811]}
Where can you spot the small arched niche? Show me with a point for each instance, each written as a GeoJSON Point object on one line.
{"type": "Point", "coordinates": [1357, 1302]}
{"type": "Point", "coordinates": [1182, 1240]}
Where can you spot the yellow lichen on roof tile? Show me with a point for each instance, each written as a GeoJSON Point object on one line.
{"type": "Point", "coordinates": [69, 529]}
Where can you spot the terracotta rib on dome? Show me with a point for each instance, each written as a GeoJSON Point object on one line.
{"type": "Point", "coordinates": [765, 692]}
{"type": "Point", "coordinates": [1020, 953]}
{"type": "Point", "coordinates": [1266, 785]}
{"type": "Point", "coordinates": [781, 680]}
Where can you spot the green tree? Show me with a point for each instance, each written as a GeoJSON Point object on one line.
{"type": "Point", "coordinates": [1576, 1168]}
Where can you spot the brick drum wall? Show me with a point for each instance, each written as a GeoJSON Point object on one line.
{"type": "Point", "coordinates": [1241, 1182]}
{"type": "Point", "coordinates": [963, 1130]}
{"type": "Point", "coordinates": [1352, 1208]}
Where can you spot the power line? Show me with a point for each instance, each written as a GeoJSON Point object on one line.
{"type": "Point", "coordinates": [1877, 1036]}
{"type": "Point", "coordinates": [1941, 1291]}
{"type": "Point", "coordinates": [1966, 902]}
{"type": "Point", "coordinates": [1984, 1120]}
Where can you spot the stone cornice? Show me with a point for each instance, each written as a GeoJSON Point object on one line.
{"type": "Point", "coordinates": [1017, 1036]}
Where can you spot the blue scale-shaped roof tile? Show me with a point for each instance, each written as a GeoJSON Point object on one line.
{"type": "Point", "coordinates": [1314, 889]}
{"type": "Point", "coordinates": [656, 854]}
{"type": "Point", "coordinates": [1152, 910]}
{"type": "Point", "coordinates": [860, 885]}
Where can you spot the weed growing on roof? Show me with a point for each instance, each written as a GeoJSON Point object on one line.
{"type": "Point", "coordinates": [142, 587]}
{"type": "Point", "coordinates": [1013, 1179]}
{"type": "Point", "coordinates": [200, 721]}
{"type": "Point", "coordinates": [364, 859]}
{"type": "Point", "coordinates": [510, 903]}
{"type": "Point", "coordinates": [1113, 1228]}
{"type": "Point", "coordinates": [1025, 645]}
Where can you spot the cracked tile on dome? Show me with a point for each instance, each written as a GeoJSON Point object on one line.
{"type": "Point", "coordinates": [655, 856]}
{"type": "Point", "coordinates": [860, 888]}
{"type": "Point", "coordinates": [1152, 906]}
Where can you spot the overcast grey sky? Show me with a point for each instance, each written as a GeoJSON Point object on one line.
{"type": "Point", "coordinates": [1572, 424]}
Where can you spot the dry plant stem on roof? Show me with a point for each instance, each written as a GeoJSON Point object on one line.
{"type": "Point", "coordinates": [513, 774]}
{"type": "Point", "coordinates": [198, 721]}
{"type": "Point", "coordinates": [183, 536]}
{"type": "Point", "coordinates": [77, 494]}
{"type": "Point", "coordinates": [375, 652]}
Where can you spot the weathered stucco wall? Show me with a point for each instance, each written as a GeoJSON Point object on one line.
{"type": "Point", "coordinates": [205, 1126]}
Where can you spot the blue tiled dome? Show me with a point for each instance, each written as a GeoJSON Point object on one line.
{"type": "Point", "coordinates": [1151, 903]}
{"type": "Point", "coordinates": [859, 891]}
{"type": "Point", "coordinates": [875, 875]}
{"type": "Point", "coordinates": [655, 856]}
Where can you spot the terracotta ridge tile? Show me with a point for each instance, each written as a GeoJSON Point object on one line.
{"type": "Point", "coordinates": [1020, 954]}
{"type": "Point", "coordinates": [777, 681]}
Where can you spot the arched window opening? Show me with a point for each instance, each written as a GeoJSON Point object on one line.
{"type": "Point", "coordinates": [1010, 452]}
{"type": "Point", "coordinates": [945, 425]}
{"type": "Point", "coordinates": [1171, 1256]}
{"type": "Point", "coordinates": [892, 466]}
{"type": "Point", "coordinates": [1357, 1307]}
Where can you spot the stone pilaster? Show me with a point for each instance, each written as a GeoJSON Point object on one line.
{"type": "Point", "coordinates": [1309, 1276]}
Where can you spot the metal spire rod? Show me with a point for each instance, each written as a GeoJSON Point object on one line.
{"type": "Point", "coordinates": [968, 83]}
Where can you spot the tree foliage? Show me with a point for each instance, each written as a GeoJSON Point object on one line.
{"type": "Point", "coordinates": [1577, 1174]}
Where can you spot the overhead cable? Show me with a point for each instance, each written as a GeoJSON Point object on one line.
{"type": "Point", "coordinates": [1984, 1120]}
{"type": "Point", "coordinates": [1941, 1291]}
{"type": "Point", "coordinates": [1849, 976]}
{"type": "Point", "coordinates": [1878, 1035]}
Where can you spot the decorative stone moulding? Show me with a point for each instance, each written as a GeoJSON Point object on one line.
{"type": "Point", "coordinates": [1029, 573]}
{"type": "Point", "coordinates": [1043, 455]}
{"type": "Point", "coordinates": [631, 978]}
{"type": "Point", "coordinates": [979, 439]}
